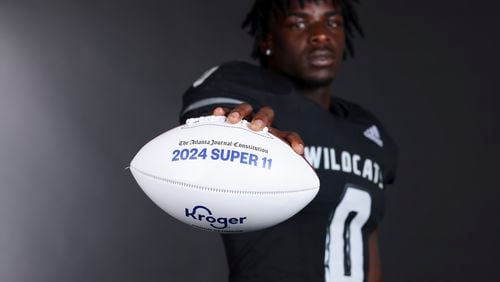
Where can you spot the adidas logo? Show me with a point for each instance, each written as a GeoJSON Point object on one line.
{"type": "Point", "coordinates": [373, 134]}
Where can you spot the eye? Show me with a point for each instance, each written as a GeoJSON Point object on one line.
{"type": "Point", "coordinates": [295, 22]}
{"type": "Point", "coordinates": [334, 23]}
{"type": "Point", "coordinates": [299, 25]}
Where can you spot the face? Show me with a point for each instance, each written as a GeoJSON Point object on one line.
{"type": "Point", "coordinates": [307, 43]}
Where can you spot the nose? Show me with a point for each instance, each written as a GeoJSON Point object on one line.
{"type": "Point", "coordinates": [319, 35]}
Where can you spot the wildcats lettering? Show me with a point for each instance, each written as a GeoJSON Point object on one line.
{"type": "Point", "coordinates": [330, 159]}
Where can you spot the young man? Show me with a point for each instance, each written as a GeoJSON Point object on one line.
{"type": "Point", "coordinates": [300, 45]}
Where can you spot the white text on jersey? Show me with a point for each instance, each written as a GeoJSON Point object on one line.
{"type": "Point", "coordinates": [329, 159]}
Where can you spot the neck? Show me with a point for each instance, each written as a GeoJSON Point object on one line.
{"type": "Point", "coordinates": [319, 95]}
{"type": "Point", "coordinates": [318, 92]}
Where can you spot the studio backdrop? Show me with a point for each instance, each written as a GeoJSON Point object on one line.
{"type": "Point", "coordinates": [84, 84]}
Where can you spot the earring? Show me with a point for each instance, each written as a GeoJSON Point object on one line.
{"type": "Point", "coordinates": [268, 52]}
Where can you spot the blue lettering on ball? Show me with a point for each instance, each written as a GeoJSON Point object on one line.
{"type": "Point", "coordinates": [244, 157]}
{"type": "Point", "coordinates": [225, 156]}
{"type": "Point", "coordinates": [201, 213]}
{"type": "Point", "coordinates": [215, 154]}
{"type": "Point", "coordinates": [234, 156]}
{"type": "Point", "coordinates": [253, 160]}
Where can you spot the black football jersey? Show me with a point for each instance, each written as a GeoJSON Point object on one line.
{"type": "Point", "coordinates": [353, 156]}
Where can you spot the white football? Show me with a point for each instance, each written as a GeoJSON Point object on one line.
{"type": "Point", "coordinates": [224, 177]}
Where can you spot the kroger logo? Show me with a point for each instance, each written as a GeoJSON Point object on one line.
{"type": "Point", "coordinates": [202, 213]}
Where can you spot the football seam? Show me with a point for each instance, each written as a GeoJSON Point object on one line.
{"type": "Point", "coordinates": [211, 189]}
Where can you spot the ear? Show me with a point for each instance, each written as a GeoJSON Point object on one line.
{"type": "Point", "coordinates": [266, 43]}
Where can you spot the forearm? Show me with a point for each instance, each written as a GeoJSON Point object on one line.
{"type": "Point", "coordinates": [375, 265]}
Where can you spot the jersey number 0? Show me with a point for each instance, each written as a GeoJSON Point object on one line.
{"type": "Point", "coordinates": [344, 241]}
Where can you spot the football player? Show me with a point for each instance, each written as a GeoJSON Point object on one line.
{"type": "Point", "coordinates": [300, 45]}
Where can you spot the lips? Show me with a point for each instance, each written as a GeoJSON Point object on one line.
{"type": "Point", "coordinates": [321, 58]}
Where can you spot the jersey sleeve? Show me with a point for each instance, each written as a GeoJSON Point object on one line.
{"type": "Point", "coordinates": [231, 84]}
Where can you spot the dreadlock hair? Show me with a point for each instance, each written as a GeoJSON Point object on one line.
{"type": "Point", "coordinates": [257, 22]}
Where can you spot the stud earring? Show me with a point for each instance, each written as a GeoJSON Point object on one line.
{"type": "Point", "coordinates": [268, 52]}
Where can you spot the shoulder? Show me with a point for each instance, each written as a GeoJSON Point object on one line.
{"type": "Point", "coordinates": [233, 83]}
{"type": "Point", "coordinates": [352, 111]}
{"type": "Point", "coordinates": [373, 129]}
{"type": "Point", "coordinates": [355, 113]}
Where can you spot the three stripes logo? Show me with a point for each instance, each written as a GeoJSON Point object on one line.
{"type": "Point", "coordinates": [373, 134]}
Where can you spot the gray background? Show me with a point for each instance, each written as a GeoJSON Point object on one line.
{"type": "Point", "coordinates": [84, 84]}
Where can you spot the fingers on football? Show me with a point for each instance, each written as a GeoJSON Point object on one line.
{"type": "Point", "coordinates": [291, 138]}
{"type": "Point", "coordinates": [263, 118]}
{"type": "Point", "coordinates": [239, 112]}
{"type": "Point", "coordinates": [220, 111]}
